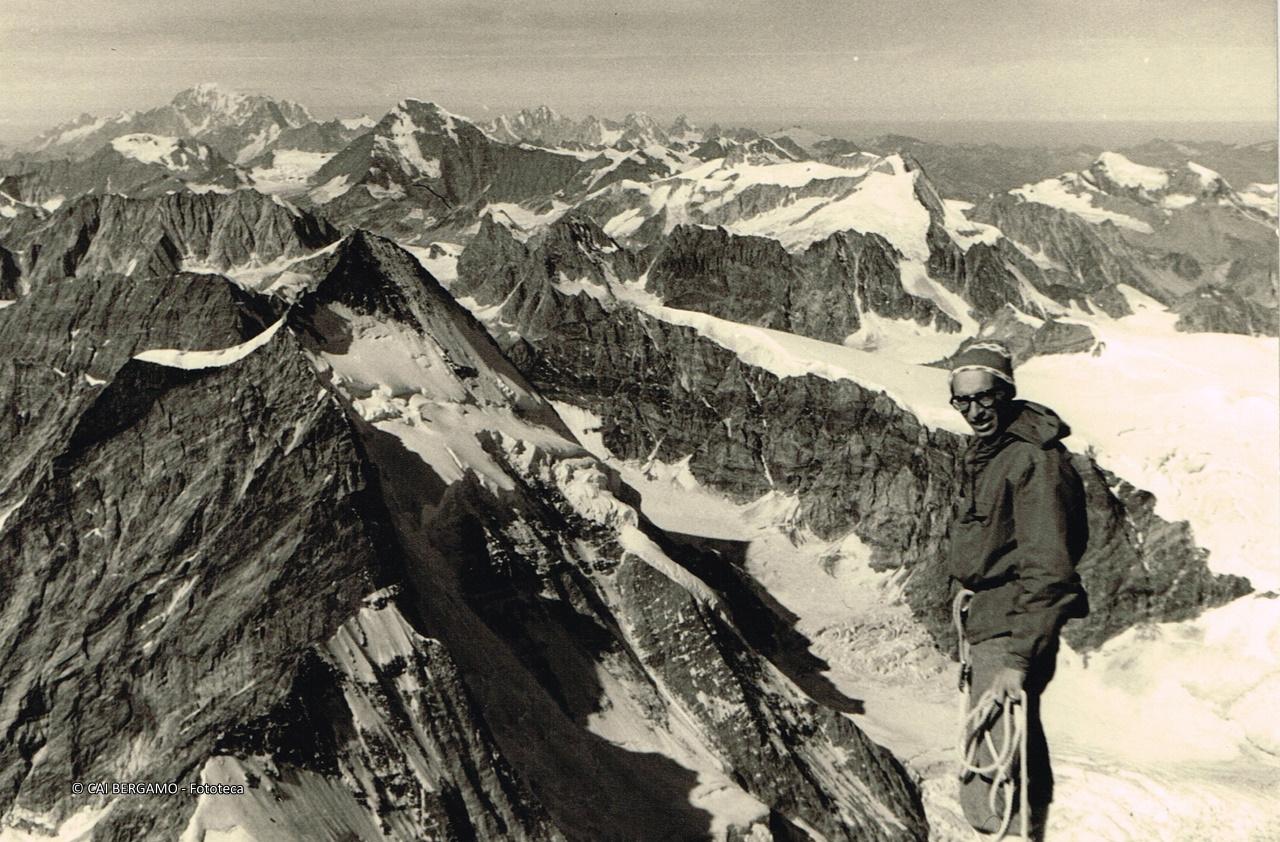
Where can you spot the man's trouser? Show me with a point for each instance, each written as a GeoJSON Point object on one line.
{"type": "Point", "coordinates": [987, 658]}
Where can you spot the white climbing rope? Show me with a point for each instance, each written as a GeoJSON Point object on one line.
{"type": "Point", "coordinates": [1008, 749]}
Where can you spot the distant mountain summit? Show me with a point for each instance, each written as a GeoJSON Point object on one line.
{"type": "Point", "coordinates": [544, 126]}
{"type": "Point", "coordinates": [240, 126]}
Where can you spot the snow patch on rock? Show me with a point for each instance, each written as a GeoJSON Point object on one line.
{"type": "Point", "coordinates": [147, 148]}
{"type": "Point", "coordinates": [22, 825]}
{"type": "Point", "coordinates": [403, 139]}
{"type": "Point", "coordinates": [192, 360]}
{"type": "Point", "coordinates": [290, 170]}
{"type": "Point", "coordinates": [1072, 194]}
{"type": "Point", "coordinates": [962, 230]}
{"type": "Point", "coordinates": [1129, 174]}
{"type": "Point", "coordinates": [331, 189]}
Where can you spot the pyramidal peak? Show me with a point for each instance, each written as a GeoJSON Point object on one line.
{"type": "Point", "coordinates": [415, 104]}
{"type": "Point", "coordinates": [544, 112]}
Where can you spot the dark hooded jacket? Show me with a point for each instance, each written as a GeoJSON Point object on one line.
{"type": "Point", "coordinates": [1020, 531]}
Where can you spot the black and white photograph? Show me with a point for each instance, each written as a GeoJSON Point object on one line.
{"type": "Point", "coordinates": [648, 421]}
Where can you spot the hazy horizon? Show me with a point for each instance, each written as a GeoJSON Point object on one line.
{"type": "Point", "coordinates": [1032, 132]}
{"type": "Point", "coordinates": [751, 62]}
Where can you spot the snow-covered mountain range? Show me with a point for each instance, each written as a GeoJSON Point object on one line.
{"type": "Point", "coordinates": [547, 478]}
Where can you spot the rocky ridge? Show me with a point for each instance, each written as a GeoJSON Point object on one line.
{"type": "Point", "coordinates": [365, 621]}
{"type": "Point", "coordinates": [139, 165]}
{"type": "Point", "coordinates": [97, 235]}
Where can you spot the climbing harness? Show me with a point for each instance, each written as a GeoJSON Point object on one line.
{"type": "Point", "coordinates": [1007, 750]}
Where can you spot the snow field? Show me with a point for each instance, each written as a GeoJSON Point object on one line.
{"type": "Point", "coordinates": [22, 825]}
{"type": "Point", "coordinates": [1191, 417]}
{"type": "Point", "coordinates": [443, 268]}
{"type": "Point", "coordinates": [1129, 174]}
{"type": "Point", "coordinates": [290, 171]}
{"type": "Point", "coordinates": [303, 805]}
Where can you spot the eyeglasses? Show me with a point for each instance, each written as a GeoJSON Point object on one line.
{"type": "Point", "coordinates": [986, 400]}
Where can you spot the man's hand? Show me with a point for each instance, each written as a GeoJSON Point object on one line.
{"type": "Point", "coordinates": [1007, 682]}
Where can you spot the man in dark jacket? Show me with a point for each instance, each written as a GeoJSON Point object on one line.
{"type": "Point", "coordinates": [1020, 531]}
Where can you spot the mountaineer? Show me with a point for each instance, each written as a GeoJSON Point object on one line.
{"type": "Point", "coordinates": [1019, 532]}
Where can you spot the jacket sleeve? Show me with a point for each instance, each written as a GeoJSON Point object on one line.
{"type": "Point", "coordinates": [1049, 514]}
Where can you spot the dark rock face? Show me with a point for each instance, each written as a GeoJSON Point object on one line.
{"type": "Point", "coordinates": [1093, 258]}
{"type": "Point", "coordinates": [820, 293]}
{"type": "Point", "coordinates": [212, 530]}
{"type": "Point", "coordinates": [1215, 309]}
{"type": "Point", "coordinates": [9, 275]}
{"type": "Point", "coordinates": [147, 237]}
{"type": "Point", "coordinates": [145, 578]}
{"type": "Point", "coordinates": [188, 164]}
{"type": "Point", "coordinates": [370, 649]}
{"type": "Point", "coordinates": [1026, 339]}
{"type": "Point", "coordinates": [745, 279]}
{"type": "Point", "coordinates": [869, 268]}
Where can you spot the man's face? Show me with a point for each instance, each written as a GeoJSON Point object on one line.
{"type": "Point", "coordinates": [971, 389]}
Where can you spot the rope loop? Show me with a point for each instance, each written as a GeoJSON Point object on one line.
{"type": "Point", "coordinates": [1007, 750]}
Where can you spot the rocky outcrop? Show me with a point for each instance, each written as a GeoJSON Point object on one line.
{"type": "Point", "coordinates": [130, 576]}
{"type": "Point", "coordinates": [821, 293]}
{"type": "Point", "coordinates": [1163, 231]}
{"type": "Point", "coordinates": [745, 279]}
{"type": "Point", "coordinates": [1215, 309]}
{"type": "Point", "coordinates": [1079, 261]}
{"type": "Point", "coordinates": [97, 235]}
{"type": "Point", "coordinates": [10, 273]}
{"type": "Point", "coordinates": [1027, 337]}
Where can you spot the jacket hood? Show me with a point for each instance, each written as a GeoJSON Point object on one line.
{"type": "Point", "coordinates": [1037, 424]}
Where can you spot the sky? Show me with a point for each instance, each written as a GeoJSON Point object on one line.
{"type": "Point", "coordinates": [748, 62]}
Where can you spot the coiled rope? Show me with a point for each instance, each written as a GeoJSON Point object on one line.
{"type": "Point", "coordinates": [1008, 749]}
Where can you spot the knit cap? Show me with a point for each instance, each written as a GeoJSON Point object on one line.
{"type": "Point", "coordinates": [992, 357]}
